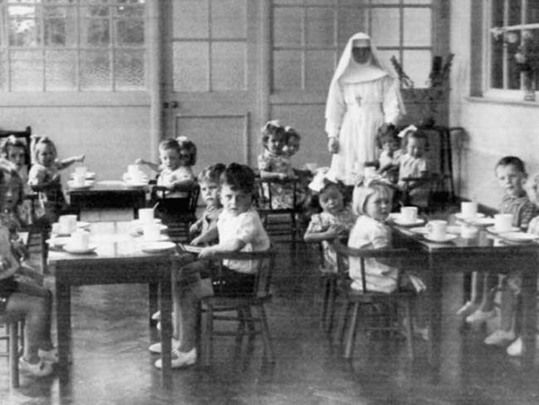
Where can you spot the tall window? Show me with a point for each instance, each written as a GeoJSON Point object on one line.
{"type": "Point", "coordinates": [72, 45]}
{"type": "Point", "coordinates": [309, 36]}
{"type": "Point", "coordinates": [513, 42]}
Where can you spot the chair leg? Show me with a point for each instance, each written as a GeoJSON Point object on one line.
{"type": "Point", "coordinates": [208, 337]}
{"type": "Point", "coordinates": [351, 336]}
{"type": "Point", "coordinates": [268, 346]}
{"type": "Point", "coordinates": [409, 328]}
{"type": "Point", "coordinates": [325, 302]}
{"type": "Point", "coordinates": [241, 325]}
{"type": "Point", "coordinates": [332, 295]}
{"type": "Point", "coordinates": [341, 327]}
{"type": "Point", "coordinates": [13, 331]}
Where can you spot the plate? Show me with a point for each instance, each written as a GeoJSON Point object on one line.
{"type": "Point", "coordinates": [397, 220]}
{"type": "Point", "coordinates": [492, 229]}
{"type": "Point", "coordinates": [135, 184]}
{"type": "Point", "coordinates": [58, 241]}
{"type": "Point", "coordinates": [192, 248]}
{"type": "Point", "coordinates": [518, 237]}
{"type": "Point", "coordinates": [453, 229]}
{"type": "Point", "coordinates": [88, 175]}
{"type": "Point", "coordinates": [83, 225]}
{"type": "Point", "coordinates": [87, 185]}
{"type": "Point", "coordinates": [481, 221]}
{"type": "Point", "coordinates": [459, 215]}
{"type": "Point", "coordinates": [157, 247]}
{"type": "Point", "coordinates": [448, 238]}
{"type": "Point", "coordinates": [78, 251]}
{"type": "Point", "coordinates": [421, 230]}
{"type": "Point", "coordinates": [161, 238]}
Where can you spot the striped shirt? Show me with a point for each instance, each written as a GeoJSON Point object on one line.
{"type": "Point", "coordinates": [522, 209]}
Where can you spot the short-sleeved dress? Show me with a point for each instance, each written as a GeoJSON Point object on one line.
{"type": "Point", "coordinates": [169, 177]}
{"type": "Point", "coordinates": [410, 166]}
{"type": "Point", "coordinates": [52, 199]}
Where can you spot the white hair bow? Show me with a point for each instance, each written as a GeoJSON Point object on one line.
{"type": "Point", "coordinates": [409, 128]}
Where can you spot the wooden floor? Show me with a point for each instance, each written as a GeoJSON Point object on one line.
{"type": "Point", "coordinates": [111, 363]}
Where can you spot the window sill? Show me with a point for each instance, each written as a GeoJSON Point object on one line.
{"type": "Point", "coordinates": [503, 101]}
{"type": "Point", "coordinates": [74, 99]}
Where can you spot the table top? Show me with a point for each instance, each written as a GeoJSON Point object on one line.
{"type": "Point", "coordinates": [108, 186]}
{"type": "Point", "coordinates": [115, 240]}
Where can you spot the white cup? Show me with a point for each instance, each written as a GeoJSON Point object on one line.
{"type": "Point", "coordinates": [311, 166]}
{"type": "Point", "coordinates": [81, 171]}
{"type": "Point", "coordinates": [468, 209]}
{"type": "Point", "coordinates": [67, 224]}
{"type": "Point", "coordinates": [437, 229]}
{"type": "Point", "coordinates": [151, 231]}
{"type": "Point", "coordinates": [467, 231]}
{"type": "Point", "coordinates": [79, 180]}
{"type": "Point", "coordinates": [369, 172]}
{"type": "Point", "coordinates": [145, 215]}
{"type": "Point", "coordinates": [409, 214]}
{"type": "Point", "coordinates": [503, 222]}
{"type": "Point", "coordinates": [80, 240]}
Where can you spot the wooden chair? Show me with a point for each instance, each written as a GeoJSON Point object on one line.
{"type": "Point", "coordinates": [437, 197]}
{"type": "Point", "coordinates": [240, 308]}
{"type": "Point", "coordinates": [279, 220]}
{"type": "Point", "coordinates": [13, 333]}
{"type": "Point", "coordinates": [177, 213]}
{"type": "Point", "coordinates": [355, 299]}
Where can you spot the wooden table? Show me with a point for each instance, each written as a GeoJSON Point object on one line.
{"type": "Point", "coordinates": [484, 252]}
{"type": "Point", "coordinates": [107, 194]}
{"type": "Point", "coordinates": [118, 259]}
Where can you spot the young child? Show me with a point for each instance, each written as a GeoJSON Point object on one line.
{"type": "Point", "coordinates": [239, 228]}
{"type": "Point", "coordinates": [390, 153]}
{"type": "Point", "coordinates": [175, 171]}
{"type": "Point", "coordinates": [44, 177]}
{"type": "Point", "coordinates": [511, 175]}
{"type": "Point", "coordinates": [292, 142]}
{"type": "Point", "coordinates": [209, 180]}
{"type": "Point", "coordinates": [413, 164]}
{"type": "Point", "coordinates": [23, 300]}
{"type": "Point", "coordinates": [335, 221]}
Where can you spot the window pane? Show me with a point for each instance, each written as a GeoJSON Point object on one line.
{"type": "Point", "coordinates": [191, 66]}
{"type": "Point", "coordinates": [286, 70]}
{"type": "Point", "coordinates": [23, 26]}
{"type": "Point", "coordinates": [26, 70]}
{"type": "Point", "coordinates": [130, 32]}
{"type": "Point", "coordinates": [532, 12]}
{"type": "Point", "coordinates": [129, 11]}
{"type": "Point", "coordinates": [228, 61]}
{"type": "Point", "coordinates": [496, 65]}
{"type": "Point", "coordinates": [129, 70]}
{"type": "Point", "coordinates": [228, 18]}
{"type": "Point", "coordinates": [287, 23]}
{"type": "Point", "coordinates": [60, 26]}
{"type": "Point", "coordinates": [417, 65]}
{"type": "Point", "coordinates": [351, 20]}
{"type": "Point", "coordinates": [319, 67]}
{"type": "Point", "coordinates": [320, 26]}
{"type": "Point", "coordinates": [385, 26]}
{"type": "Point", "coordinates": [95, 70]}
{"type": "Point", "coordinates": [515, 12]}
{"type": "Point", "coordinates": [417, 27]}
{"type": "Point", "coordinates": [60, 70]}
{"type": "Point", "coordinates": [191, 19]}
{"type": "Point", "coordinates": [3, 71]}
{"type": "Point", "coordinates": [95, 33]}
{"type": "Point", "coordinates": [497, 13]}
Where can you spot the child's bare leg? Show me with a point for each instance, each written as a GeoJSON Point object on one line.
{"type": "Point", "coordinates": [36, 313]}
{"type": "Point", "coordinates": [477, 287]}
{"type": "Point", "coordinates": [187, 316]}
{"type": "Point", "coordinates": [508, 309]}
{"type": "Point", "coordinates": [490, 282]}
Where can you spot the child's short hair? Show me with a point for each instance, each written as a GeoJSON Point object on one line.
{"type": "Point", "coordinates": [7, 169]}
{"type": "Point", "coordinates": [291, 133]}
{"type": "Point", "coordinates": [14, 142]}
{"type": "Point", "coordinates": [211, 174]}
{"type": "Point", "coordinates": [239, 177]}
{"type": "Point", "coordinates": [189, 146]}
{"type": "Point", "coordinates": [43, 141]}
{"type": "Point", "coordinates": [514, 161]}
{"type": "Point", "coordinates": [389, 134]}
{"type": "Point", "coordinates": [169, 144]}
{"type": "Point", "coordinates": [272, 128]}
{"type": "Point", "coordinates": [364, 191]}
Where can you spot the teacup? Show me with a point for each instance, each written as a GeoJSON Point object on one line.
{"type": "Point", "coordinates": [467, 231]}
{"type": "Point", "coordinates": [145, 215]}
{"type": "Point", "coordinates": [408, 215]}
{"type": "Point", "coordinates": [80, 240]}
{"type": "Point", "coordinates": [503, 222]}
{"type": "Point", "coordinates": [437, 229]}
{"type": "Point", "coordinates": [81, 171]}
{"type": "Point", "coordinates": [67, 224]}
{"type": "Point", "coordinates": [151, 231]}
{"type": "Point", "coordinates": [468, 209]}
{"type": "Point", "coordinates": [311, 167]}
{"type": "Point", "coordinates": [79, 179]}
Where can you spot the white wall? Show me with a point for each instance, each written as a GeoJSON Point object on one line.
{"type": "Point", "coordinates": [495, 129]}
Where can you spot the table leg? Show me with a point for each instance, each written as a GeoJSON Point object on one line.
{"type": "Point", "coordinates": [434, 291]}
{"type": "Point", "coordinates": [153, 298]}
{"type": "Point", "coordinates": [529, 290]}
{"type": "Point", "coordinates": [166, 324]}
{"type": "Point", "coordinates": [63, 321]}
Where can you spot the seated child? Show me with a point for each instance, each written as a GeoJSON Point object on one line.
{"type": "Point", "coordinates": [335, 221]}
{"type": "Point", "coordinates": [511, 175]}
{"type": "Point", "coordinates": [414, 164]}
{"type": "Point", "coordinates": [390, 149]}
{"type": "Point", "coordinates": [21, 299]}
{"type": "Point", "coordinates": [44, 177]}
{"type": "Point", "coordinates": [239, 228]}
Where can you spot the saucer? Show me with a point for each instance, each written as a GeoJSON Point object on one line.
{"type": "Point", "coordinates": [58, 241]}
{"type": "Point", "coordinates": [460, 215]}
{"type": "Point", "coordinates": [87, 185]}
{"type": "Point", "coordinates": [447, 238]}
{"type": "Point", "coordinates": [191, 248]}
{"type": "Point", "coordinates": [397, 220]}
{"type": "Point", "coordinates": [158, 247]}
{"type": "Point", "coordinates": [87, 175]}
{"type": "Point", "coordinates": [519, 237]}
{"type": "Point", "coordinates": [421, 230]}
{"type": "Point", "coordinates": [492, 229]}
{"type": "Point", "coordinates": [480, 221]}
{"type": "Point", "coordinates": [79, 251]}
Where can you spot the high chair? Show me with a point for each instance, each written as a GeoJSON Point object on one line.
{"type": "Point", "coordinates": [354, 300]}
{"type": "Point", "coordinates": [239, 308]}
{"type": "Point", "coordinates": [13, 334]}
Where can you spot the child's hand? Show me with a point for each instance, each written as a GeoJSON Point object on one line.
{"type": "Point", "coordinates": [336, 230]}
{"type": "Point", "coordinates": [193, 229]}
{"type": "Point", "coordinates": [206, 252]}
{"type": "Point", "coordinates": [140, 161]}
{"type": "Point", "coordinates": [282, 176]}
{"type": "Point", "coordinates": [333, 145]}
{"type": "Point", "coordinates": [80, 158]}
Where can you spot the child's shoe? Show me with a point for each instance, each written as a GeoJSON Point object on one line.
{"type": "Point", "coordinates": [422, 333]}
{"type": "Point", "coordinates": [156, 316]}
{"type": "Point", "coordinates": [480, 316]}
{"type": "Point", "coordinates": [50, 356]}
{"type": "Point", "coordinates": [515, 348]}
{"type": "Point", "coordinates": [467, 309]}
{"type": "Point", "coordinates": [39, 369]}
{"type": "Point", "coordinates": [156, 347]}
{"type": "Point", "coordinates": [500, 337]}
{"type": "Point", "coordinates": [180, 359]}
